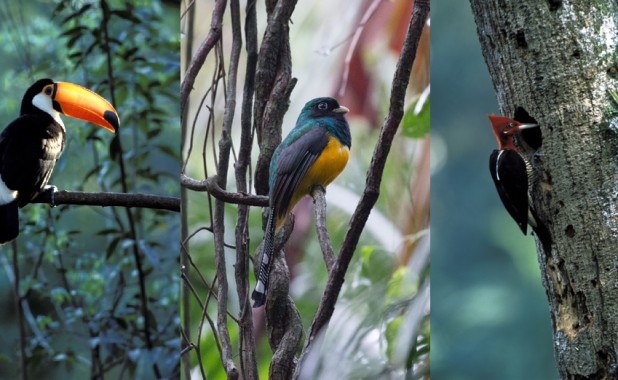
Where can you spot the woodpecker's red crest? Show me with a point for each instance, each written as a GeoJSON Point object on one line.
{"type": "Point", "coordinates": [504, 130]}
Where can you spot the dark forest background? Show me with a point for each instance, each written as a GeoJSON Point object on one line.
{"type": "Point", "coordinates": [98, 286]}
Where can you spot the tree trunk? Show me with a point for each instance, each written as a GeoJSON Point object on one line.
{"type": "Point", "coordinates": [557, 61]}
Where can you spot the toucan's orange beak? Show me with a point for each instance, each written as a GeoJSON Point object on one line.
{"type": "Point", "coordinates": [81, 103]}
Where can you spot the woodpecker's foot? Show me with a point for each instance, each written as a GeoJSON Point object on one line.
{"type": "Point", "coordinates": [52, 190]}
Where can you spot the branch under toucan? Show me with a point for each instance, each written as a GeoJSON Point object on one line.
{"type": "Point", "coordinates": [110, 199]}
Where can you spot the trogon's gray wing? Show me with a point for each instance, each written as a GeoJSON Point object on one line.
{"type": "Point", "coordinates": [292, 165]}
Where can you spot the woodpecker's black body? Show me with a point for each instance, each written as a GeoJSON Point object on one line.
{"type": "Point", "coordinates": [31, 144]}
{"type": "Point", "coordinates": [511, 172]}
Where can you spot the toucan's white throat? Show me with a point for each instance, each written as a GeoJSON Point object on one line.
{"type": "Point", "coordinates": [44, 103]}
{"type": "Point", "coordinates": [6, 195]}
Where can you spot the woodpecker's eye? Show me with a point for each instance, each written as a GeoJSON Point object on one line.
{"type": "Point", "coordinates": [47, 90]}
{"type": "Point", "coordinates": [322, 106]}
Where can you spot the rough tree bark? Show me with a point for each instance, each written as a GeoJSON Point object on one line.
{"type": "Point", "coordinates": [273, 86]}
{"type": "Point", "coordinates": [557, 61]}
{"type": "Point", "coordinates": [267, 87]}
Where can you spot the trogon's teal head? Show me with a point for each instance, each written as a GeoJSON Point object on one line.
{"type": "Point", "coordinates": [328, 112]}
{"type": "Point", "coordinates": [319, 118]}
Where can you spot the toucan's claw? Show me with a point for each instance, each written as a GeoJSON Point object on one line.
{"type": "Point", "coordinates": [52, 190]}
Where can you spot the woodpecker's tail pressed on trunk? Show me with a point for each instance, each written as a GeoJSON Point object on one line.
{"type": "Point", "coordinates": [268, 248]}
{"type": "Point", "coordinates": [541, 231]}
{"type": "Point", "coordinates": [9, 222]}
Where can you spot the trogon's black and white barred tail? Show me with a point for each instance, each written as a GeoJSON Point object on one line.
{"type": "Point", "coordinates": [9, 222]}
{"type": "Point", "coordinates": [259, 294]}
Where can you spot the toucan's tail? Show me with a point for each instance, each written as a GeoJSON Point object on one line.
{"type": "Point", "coordinates": [9, 222]}
{"type": "Point", "coordinates": [259, 294]}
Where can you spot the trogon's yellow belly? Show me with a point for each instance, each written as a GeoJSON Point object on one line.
{"type": "Point", "coordinates": [324, 170]}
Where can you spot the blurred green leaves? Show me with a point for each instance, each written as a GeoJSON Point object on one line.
{"type": "Point", "coordinates": [377, 308]}
{"type": "Point", "coordinates": [416, 121]}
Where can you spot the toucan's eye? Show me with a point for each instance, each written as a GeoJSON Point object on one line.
{"type": "Point", "coordinates": [48, 90]}
{"type": "Point", "coordinates": [322, 106]}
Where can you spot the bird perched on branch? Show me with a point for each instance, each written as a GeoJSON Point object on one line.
{"type": "Point", "coordinates": [513, 175]}
{"type": "Point", "coordinates": [313, 154]}
{"type": "Point", "coordinates": [31, 144]}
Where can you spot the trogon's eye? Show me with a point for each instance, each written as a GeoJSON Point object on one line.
{"type": "Point", "coordinates": [48, 90]}
{"type": "Point", "coordinates": [322, 106]}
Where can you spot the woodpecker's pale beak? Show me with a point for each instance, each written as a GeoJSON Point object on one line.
{"type": "Point", "coordinates": [526, 126]}
{"type": "Point", "coordinates": [81, 103]}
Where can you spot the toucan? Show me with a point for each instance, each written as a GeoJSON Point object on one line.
{"type": "Point", "coordinates": [31, 144]}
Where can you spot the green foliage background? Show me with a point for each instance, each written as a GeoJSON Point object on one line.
{"type": "Point", "coordinates": [490, 316]}
{"type": "Point", "coordinates": [382, 287]}
{"type": "Point", "coordinates": [377, 295]}
{"type": "Point", "coordinates": [77, 268]}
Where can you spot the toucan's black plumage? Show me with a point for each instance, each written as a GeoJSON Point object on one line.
{"type": "Point", "coordinates": [31, 144]}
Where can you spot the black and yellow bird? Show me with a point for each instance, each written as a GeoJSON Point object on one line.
{"type": "Point", "coordinates": [313, 154]}
{"type": "Point", "coordinates": [31, 144]}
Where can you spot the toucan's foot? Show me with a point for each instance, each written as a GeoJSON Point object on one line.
{"type": "Point", "coordinates": [52, 190]}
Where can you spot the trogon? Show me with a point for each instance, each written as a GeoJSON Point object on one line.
{"type": "Point", "coordinates": [313, 154]}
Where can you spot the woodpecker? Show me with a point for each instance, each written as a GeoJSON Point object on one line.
{"type": "Point", "coordinates": [512, 172]}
